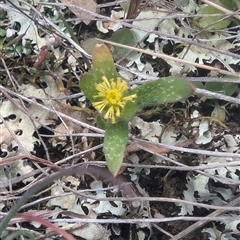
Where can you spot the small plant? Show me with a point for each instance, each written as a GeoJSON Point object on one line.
{"type": "Point", "coordinates": [116, 103]}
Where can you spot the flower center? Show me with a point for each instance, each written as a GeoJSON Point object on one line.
{"type": "Point", "coordinates": [113, 97]}
{"type": "Point", "coordinates": [110, 98]}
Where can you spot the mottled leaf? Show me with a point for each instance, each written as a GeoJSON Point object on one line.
{"type": "Point", "coordinates": [100, 121]}
{"type": "Point", "coordinates": [103, 64]}
{"type": "Point", "coordinates": [115, 140]}
{"type": "Point", "coordinates": [129, 110]}
{"type": "Point", "coordinates": [87, 85]}
{"type": "Point", "coordinates": [169, 89]}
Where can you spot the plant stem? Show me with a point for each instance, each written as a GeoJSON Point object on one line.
{"type": "Point", "coordinates": [20, 233]}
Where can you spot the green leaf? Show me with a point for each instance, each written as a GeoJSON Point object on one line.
{"type": "Point", "coordinates": [207, 22]}
{"type": "Point", "coordinates": [229, 4]}
{"type": "Point", "coordinates": [123, 36]}
{"type": "Point", "coordinates": [125, 7]}
{"type": "Point", "coordinates": [129, 110]}
{"type": "Point", "coordinates": [169, 89]}
{"type": "Point", "coordinates": [221, 87]}
{"type": "Point", "coordinates": [100, 121]}
{"type": "Point", "coordinates": [2, 32]}
{"type": "Point", "coordinates": [115, 140]}
{"type": "Point", "coordinates": [19, 233]}
{"type": "Point", "coordinates": [198, 85]}
{"type": "Point", "coordinates": [218, 112]}
{"type": "Point", "coordinates": [87, 85]}
{"type": "Point", "coordinates": [103, 64]}
{"type": "Point", "coordinates": [19, 50]}
{"type": "Point", "coordinates": [2, 40]}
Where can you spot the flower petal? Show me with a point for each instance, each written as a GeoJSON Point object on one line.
{"type": "Point", "coordinates": [110, 114]}
{"type": "Point", "coordinates": [110, 97]}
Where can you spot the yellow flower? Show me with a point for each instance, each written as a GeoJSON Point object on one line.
{"type": "Point", "coordinates": [110, 97]}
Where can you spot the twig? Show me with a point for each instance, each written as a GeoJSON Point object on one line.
{"type": "Point", "coordinates": [98, 172]}
{"type": "Point", "coordinates": [217, 95]}
{"type": "Point", "coordinates": [201, 223]}
{"type": "Point", "coordinates": [146, 220]}
{"type": "Point", "coordinates": [5, 90]}
{"type": "Point", "coordinates": [165, 56]}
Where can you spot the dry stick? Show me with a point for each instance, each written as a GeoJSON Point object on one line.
{"type": "Point", "coordinates": [212, 79]}
{"type": "Point", "coordinates": [183, 149]}
{"type": "Point", "coordinates": [125, 24]}
{"type": "Point", "coordinates": [46, 163]}
{"type": "Point", "coordinates": [161, 230]}
{"type": "Point", "coordinates": [219, 58]}
{"type": "Point", "coordinates": [139, 220]}
{"type": "Point", "coordinates": [165, 56]}
{"type": "Point", "coordinates": [5, 91]}
{"type": "Point", "coordinates": [163, 35]}
{"type": "Point", "coordinates": [65, 126]}
{"type": "Point", "coordinates": [217, 95]}
{"type": "Point", "coordinates": [148, 77]}
{"type": "Point", "coordinates": [143, 38]}
{"type": "Point", "coordinates": [143, 220]}
{"type": "Point", "coordinates": [14, 83]}
{"type": "Point", "coordinates": [147, 147]}
{"type": "Point", "coordinates": [47, 21]}
{"type": "Point", "coordinates": [177, 168]}
{"type": "Point", "coordinates": [23, 109]}
{"type": "Point", "coordinates": [199, 224]}
{"type": "Point", "coordinates": [19, 179]}
{"type": "Point", "coordinates": [228, 73]}
{"type": "Point", "coordinates": [197, 90]}
{"type": "Point", "coordinates": [127, 190]}
{"type": "Point", "coordinates": [102, 173]}
{"type": "Point", "coordinates": [14, 180]}
{"type": "Point", "coordinates": [47, 224]}
{"type": "Point", "coordinates": [83, 194]}
{"type": "Point", "coordinates": [140, 199]}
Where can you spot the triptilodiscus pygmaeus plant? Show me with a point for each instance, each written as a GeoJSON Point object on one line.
{"type": "Point", "coordinates": [117, 104]}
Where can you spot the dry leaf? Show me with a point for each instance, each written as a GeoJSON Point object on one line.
{"type": "Point", "coordinates": [41, 57]}
{"type": "Point", "coordinates": [74, 181]}
{"type": "Point", "coordinates": [89, 5]}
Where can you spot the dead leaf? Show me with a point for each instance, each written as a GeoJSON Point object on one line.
{"type": "Point", "coordinates": [41, 57]}
{"type": "Point", "coordinates": [74, 181]}
{"type": "Point", "coordinates": [89, 5]}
